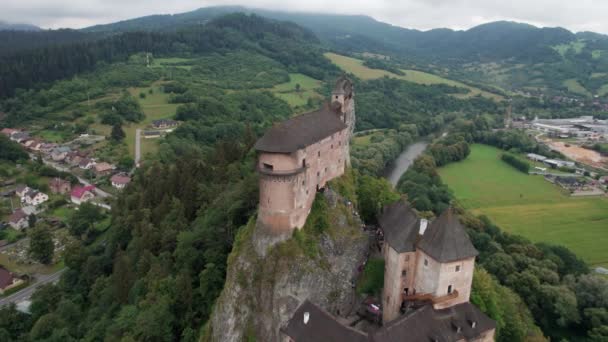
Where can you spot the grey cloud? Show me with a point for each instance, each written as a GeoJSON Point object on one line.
{"type": "Point", "coordinates": [576, 15]}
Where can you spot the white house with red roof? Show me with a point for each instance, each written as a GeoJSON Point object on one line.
{"type": "Point", "coordinates": [81, 194]}
{"type": "Point", "coordinates": [120, 180]}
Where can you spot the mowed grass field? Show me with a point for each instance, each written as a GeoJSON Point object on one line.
{"type": "Point", "coordinates": [356, 67]}
{"type": "Point", "coordinates": [287, 91]}
{"type": "Point", "coordinates": [528, 205]}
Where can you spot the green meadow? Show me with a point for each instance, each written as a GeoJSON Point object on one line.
{"type": "Point", "coordinates": [356, 67]}
{"type": "Point", "coordinates": [528, 205]}
{"type": "Point", "coordinates": [287, 91]}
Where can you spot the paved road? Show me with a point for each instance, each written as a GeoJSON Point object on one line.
{"type": "Point", "coordinates": [137, 147]}
{"type": "Point", "coordinates": [83, 181]}
{"type": "Point", "coordinates": [26, 293]}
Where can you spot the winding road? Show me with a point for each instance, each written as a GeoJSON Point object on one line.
{"type": "Point", "coordinates": [27, 292]}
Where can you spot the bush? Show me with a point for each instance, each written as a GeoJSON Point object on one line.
{"type": "Point", "coordinates": [372, 280]}
{"type": "Point", "coordinates": [517, 163]}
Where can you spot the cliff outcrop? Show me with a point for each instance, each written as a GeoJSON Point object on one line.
{"type": "Point", "coordinates": [319, 262]}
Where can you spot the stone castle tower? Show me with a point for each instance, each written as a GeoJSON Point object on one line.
{"type": "Point", "coordinates": [424, 262]}
{"type": "Point", "coordinates": [299, 156]}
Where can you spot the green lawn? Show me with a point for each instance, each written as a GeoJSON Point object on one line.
{"type": "Point", "coordinates": [287, 91]}
{"type": "Point", "coordinates": [575, 87]}
{"type": "Point", "coordinates": [529, 205]}
{"type": "Point", "coordinates": [356, 67]}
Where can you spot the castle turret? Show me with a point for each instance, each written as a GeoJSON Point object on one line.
{"type": "Point", "coordinates": [343, 101]}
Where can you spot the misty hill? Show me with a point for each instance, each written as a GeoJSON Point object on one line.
{"type": "Point", "coordinates": [4, 26]}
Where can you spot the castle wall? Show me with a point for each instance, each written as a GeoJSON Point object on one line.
{"type": "Point", "coordinates": [289, 181]}
{"type": "Point", "coordinates": [460, 280]}
{"type": "Point", "coordinates": [436, 277]}
{"type": "Point", "coordinates": [399, 274]}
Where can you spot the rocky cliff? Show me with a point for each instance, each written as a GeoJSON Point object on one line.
{"type": "Point", "coordinates": [319, 262]}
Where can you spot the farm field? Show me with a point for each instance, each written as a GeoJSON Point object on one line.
{"type": "Point", "coordinates": [528, 205]}
{"type": "Point", "coordinates": [287, 91]}
{"type": "Point", "coordinates": [356, 67]}
{"type": "Point", "coordinates": [575, 87]}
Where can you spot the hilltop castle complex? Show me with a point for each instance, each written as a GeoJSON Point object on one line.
{"type": "Point", "coordinates": [428, 265]}
{"type": "Point", "coordinates": [299, 156]}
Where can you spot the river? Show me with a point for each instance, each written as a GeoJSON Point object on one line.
{"type": "Point", "coordinates": [403, 162]}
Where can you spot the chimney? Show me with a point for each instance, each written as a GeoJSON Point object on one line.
{"type": "Point", "coordinates": [306, 317]}
{"type": "Point", "coordinates": [423, 224]}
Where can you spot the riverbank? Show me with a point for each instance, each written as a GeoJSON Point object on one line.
{"type": "Point", "coordinates": [398, 167]}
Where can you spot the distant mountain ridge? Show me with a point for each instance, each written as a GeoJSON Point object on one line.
{"type": "Point", "coordinates": [4, 26]}
{"type": "Point", "coordinates": [492, 41]}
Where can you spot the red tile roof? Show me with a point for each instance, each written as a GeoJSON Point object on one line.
{"type": "Point", "coordinates": [17, 216]}
{"type": "Point", "coordinates": [78, 191]}
{"type": "Point", "coordinates": [120, 179]}
{"type": "Point", "coordinates": [6, 277]}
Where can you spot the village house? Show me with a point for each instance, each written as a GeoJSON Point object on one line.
{"type": "Point", "coordinates": [427, 283]}
{"type": "Point", "coordinates": [152, 134]}
{"type": "Point", "coordinates": [164, 123]}
{"type": "Point", "coordinates": [120, 180]}
{"type": "Point", "coordinates": [20, 136]}
{"type": "Point", "coordinates": [81, 194]}
{"type": "Point", "coordinates": [60, 186]}
{"type": "Point", "coordinates": [21, 190]}
{"type": "Point", "coordinates": [34, 197]}
{"type": "Point", "coordinates": [9, 131]}
{"type": "Point", "coordinates": [103, 168]}
{"type": "Point", "coordinates": [8, 280]}
{"type": "Point", "coordinates": [86, 163]}
{"type": "Point", "coordinates": [299, 156]}
{"type": "Point", "coordinates": [60, 153]}
{"type": "Point", "coordinates": [18, 220]}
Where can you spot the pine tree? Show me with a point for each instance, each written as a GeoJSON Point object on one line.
{"type": "Point", "coordinates": [117, 133]}
{"type": "Point", "coordinates": [41, 245]}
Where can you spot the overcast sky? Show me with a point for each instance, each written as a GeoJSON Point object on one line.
{"type": "Point", "coordinates": [576, 15]}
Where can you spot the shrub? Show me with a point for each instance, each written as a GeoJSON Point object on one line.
{"type": "Point", "coordinates": [517, 163]}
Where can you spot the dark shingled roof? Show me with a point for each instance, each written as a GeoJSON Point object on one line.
{"type": "Point", "coordinates": [400, 225]}
{"type": "Point", "coordinates": [321, 327]}
{"type": "Point", "coordinates": [343, 86]}
{"type": "Point", "coordinates": [459, 322]}
{"type": "Point", "coordinates": [300, 131]}
{"type": "Point", "coordinates": [446, 325]}
{"type": "Point", "coordinates": [445, 239]}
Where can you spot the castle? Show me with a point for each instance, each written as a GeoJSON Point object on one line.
{"type": "Point", "coordinates": [427, 283]}
{"type": "Point", "coordinates": [428, 265]}
{"type": "Point", "coordinates": [299, 156]}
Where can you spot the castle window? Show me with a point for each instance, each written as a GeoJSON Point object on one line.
{"type": "Point", "coordinates": [407, 258]}
{"type": "Point", "coordinates": [403, 273]}
{"type": "Point", "coordinates": [449, 289]}
{"type": "Point", "coordinates": [319, 154]}
{"type": "Point", "coordinates": [426, 262]}
{"type": "Point", "coordinates": [304, 162]}
{"type": "Point", "coordinates": [336, 96]}
{"type": "Point", "coordinates": [318, 173]}
{"type": "Point", "coordinates": [406, 290]}
{"type": "Point", "coordinates": [332, 146]}
{"type": "Point", "coordinates": [458, 268]}
{"type": "Point", "coordinates": [339, 143]}
{"type": "Point", "coordinates": [325, 170]}
{"type": "Point", "coordinates": [268, 166]}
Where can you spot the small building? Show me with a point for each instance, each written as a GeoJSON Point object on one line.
{"type": "Point", "coordinates": [120, 180]}
{"type": "Point", "coordinates": [604, 179]}
{"type": "Point", "coordinates": [81, 194]}
{"type": "Point", "coordinates": [18, 220]}
{"type": "Point", "coordinates": [9, 131]}
{"type": "Point", "coordinates": [103, 168]}
{"type": "Point", "coordinates": [536, 157]}
{"type": "Point", "coordinates": [60, 153]}
{"type": "Point", "coordinates": [164, 123]}
{"type": "Point", "coordinates": [152, 134]}
{"type": "Point", "coordinates": [21, 190]}
{"type": "Point", "coordinates": [86, 163]}
{"type": "Point", "coordinates": [20, 137]}
{"type": "Point", "coordinates": [60, 186]}
{"type": "Point", "coordinates": [8, 280]}
{"type": "Point", "coordinates": [557, 163]}
{"type": "Point", "coordinates": [34, 197]}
